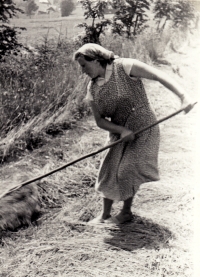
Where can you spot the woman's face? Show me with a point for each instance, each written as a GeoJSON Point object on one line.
{"type": "Point", "coordinates": [91, 68]}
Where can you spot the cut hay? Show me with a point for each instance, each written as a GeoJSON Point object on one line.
{"type": "Point", "coordinates": [19, 208]}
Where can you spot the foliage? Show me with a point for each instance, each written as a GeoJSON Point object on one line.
{"type": "Point", "coordinates": [96, 11]}
{"type": "Point", "coordinates": [148, 47]}
{"type": "Point", "coordinates": [31, 7]}
{"type": "Point", "coordinates": [67, 6]}
{"type": "Point", "coordinates": [130, 17]}
{"type": "Point", "coordinates": [183, 14]}
{"type": "Point", "coordinates": [8, 35]}
{"type": "Point", "coordinates": [180, 13]}
{"type": "Point", "coordinates": [34, 82]}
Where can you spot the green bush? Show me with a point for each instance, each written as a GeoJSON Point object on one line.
{"type": "Point", "coordinates": [8, 34]}
{"type": "Point", "coordinates": [67, 6]}
{"type": "Point", "coordinates": [35, 82]}
{"type": "Point", "coordinates": [94, 10]}
{"type": "Point", "coordinates": [30, 7]}
{"type": "Point", "coordinates": [130, 17]}
{"type": "Point", "coordinates": [180, 13]}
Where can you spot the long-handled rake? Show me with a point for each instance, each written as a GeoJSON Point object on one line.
{"type": "Point", "coordinates": [92, 153]}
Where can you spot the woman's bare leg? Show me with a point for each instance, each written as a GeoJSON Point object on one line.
{"type": "Point", "coordinates": [105, 214]}
{"type": "Point", "coordinates": [107, 206]}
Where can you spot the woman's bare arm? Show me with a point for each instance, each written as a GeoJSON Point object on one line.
{"type": "Point", "coordinates": [142, 70]}
{"type": "Point", "coordinates": [107, 125]}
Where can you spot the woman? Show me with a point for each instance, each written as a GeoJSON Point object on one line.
{"type": "Point", "coordinates": [120, 105]}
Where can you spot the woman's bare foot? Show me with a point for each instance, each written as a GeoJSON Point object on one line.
{"type": "Point", "coordinates": [123, 217]}
{"type": "Point", "coordinates": [99, 219]}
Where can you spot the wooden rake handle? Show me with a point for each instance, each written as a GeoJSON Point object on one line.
{"type": "Point", "coordinates": [93, 153]}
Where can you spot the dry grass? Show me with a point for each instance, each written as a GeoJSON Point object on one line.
{"type": "Point", "coordinates": [19, 208]}
{"type": "Point", "coordinates": [37, 131]}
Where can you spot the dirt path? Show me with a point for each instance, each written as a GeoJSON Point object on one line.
{"type": "Point", "coordinates": [157, 243]}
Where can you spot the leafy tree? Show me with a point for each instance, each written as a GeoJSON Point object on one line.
{"type": "Point", "coordinates": [96, 11]}
{"type": "Point", "coordinates": [180, 13]}
{"type": "Point", "coordinates": [130, 16]}
{"type": "Point", "coordinates": [31, 7]}
{"type": "Point", "coordinates": [8, 35]}
{"type": "Point", "coordinates": [163, 13]}
{"type": "Point", "coordinates": [67, 6]}
{"type": "Point", "coordinates": [183, 14]}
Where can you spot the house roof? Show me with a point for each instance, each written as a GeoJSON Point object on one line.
{"type": "Point", "coordinates": [44, 1]}
{"type": "Point", "coordinates": [51, 8]}
{"type": "Point", "coordinates": [45, 6]}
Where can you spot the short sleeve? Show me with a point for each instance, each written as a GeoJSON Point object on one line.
{"type": "Point", "coordinates": [89, 96]}
{"type": "Point", "coordinates": [128, 63]}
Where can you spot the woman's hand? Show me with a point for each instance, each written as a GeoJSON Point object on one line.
{"type": "Point", "coordinates": [186, 103]}
{"type": "Point", "coordinates": [127, 135]}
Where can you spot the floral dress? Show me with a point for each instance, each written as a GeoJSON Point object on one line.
{"type": "Point", "coordinates": [128, 164]}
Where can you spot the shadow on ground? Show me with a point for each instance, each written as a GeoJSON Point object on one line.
{"type": "Point", "coordinates": [140, 233]}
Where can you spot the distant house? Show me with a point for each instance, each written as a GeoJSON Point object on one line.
{"type": "Point", "coordinates": [45, 6]}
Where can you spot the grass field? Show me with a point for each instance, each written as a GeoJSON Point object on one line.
{"type": "Point", "coordinates": [39, 25]}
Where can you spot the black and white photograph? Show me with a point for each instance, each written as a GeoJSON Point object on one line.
{"type": "Point", "coordinates": [99, 138]}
